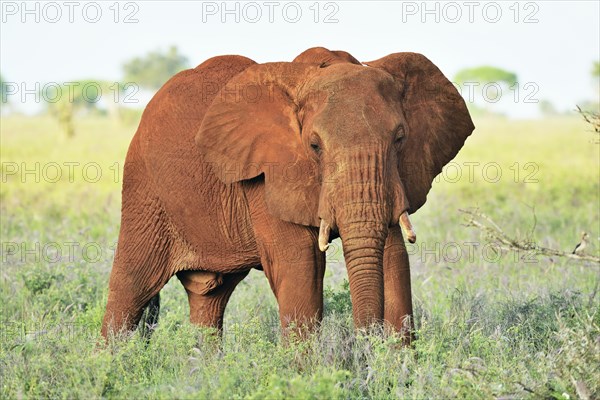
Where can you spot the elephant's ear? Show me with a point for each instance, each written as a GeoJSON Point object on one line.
{"type": "Point", "coordinates": [437, 117]}
{"type": "Point", "coordinates": [251, 128]}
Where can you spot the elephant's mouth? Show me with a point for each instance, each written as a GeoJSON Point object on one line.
{"type": "Point", "coordinates": [403, 221]}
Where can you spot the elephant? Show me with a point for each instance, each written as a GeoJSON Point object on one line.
{"type": "Point", "coordinates": [238, 165]}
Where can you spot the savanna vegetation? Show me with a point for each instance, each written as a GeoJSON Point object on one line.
{"type": "Point", "coordinates": [490, 324]}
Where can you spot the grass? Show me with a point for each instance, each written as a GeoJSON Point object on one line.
{"type": "Point", "coordinates": [489, 325]}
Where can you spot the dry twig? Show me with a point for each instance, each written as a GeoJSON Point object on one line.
{"type": "Point", "coordinates": [504, 242]}
{"type": "Point", "coordinates": [592, 118]}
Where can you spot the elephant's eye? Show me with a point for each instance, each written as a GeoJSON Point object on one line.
{"type": "Point", "coordinates": [399, 134]}
{"type": "Point", "coordinates": [315, 145]}
{"type": "Point", "coordinates": [316, 148]}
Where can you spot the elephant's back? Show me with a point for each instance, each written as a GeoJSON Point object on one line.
{"type": "Point", "coordinates": [191, 195]}
{"type": "Point", "coordinates": [174, 114]}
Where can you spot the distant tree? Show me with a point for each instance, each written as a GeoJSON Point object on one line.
{"type": "Point", "coordinates": [483, 76]}
{"type": "Point", "coordinates": [596, 75]}
{"type": "Point", "coordinates": [486, 74]}
{"type": "Point", "coordinates": [154, 69]}
{"type": "Point", "coordinates": [590, 111]}
{"type": "Point", "coordinates": [547, 108]}
{"type": "Point", "coordinates": [3, 89]}
{"type": "Point", "coordinates": [593, 105]}
{"type": "Point", "coordinates": [65, 101]}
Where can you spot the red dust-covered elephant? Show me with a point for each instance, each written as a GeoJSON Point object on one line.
{"type": "Point", "coordinates": [238, 165]}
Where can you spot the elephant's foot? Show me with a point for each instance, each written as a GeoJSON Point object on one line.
{"type": "Point", "coordinates": [123, 313]}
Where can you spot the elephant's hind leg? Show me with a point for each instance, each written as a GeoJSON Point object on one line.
{"type": "Point", "coordinates": [141, 266]}
{"type": "Point", "coordinates": [208, 294]}
{"type": "Point", "coordinates": [149, 318]}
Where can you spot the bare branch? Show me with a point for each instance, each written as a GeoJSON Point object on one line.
{"type": "Point", "coordinates": [592, 118]}
{"type": "Point", "coordinates": [496, 235]}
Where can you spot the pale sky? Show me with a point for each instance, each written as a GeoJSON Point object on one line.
{"type": "Point", "coordinates": [550, 45]}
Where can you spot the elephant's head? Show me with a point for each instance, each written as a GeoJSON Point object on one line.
{"type": "Point", "coordinates": [342, 146]}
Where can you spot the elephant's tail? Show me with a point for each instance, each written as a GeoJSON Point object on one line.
{"type": "Point", "coordinates": [149, 320]}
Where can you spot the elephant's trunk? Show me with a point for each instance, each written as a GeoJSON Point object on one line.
{"type": "Point", "coordinates": [363, 218]}
{"type": "Point", "coordinates": [363, 250]}
{"type": "Point", "coordinates": [362, 207]}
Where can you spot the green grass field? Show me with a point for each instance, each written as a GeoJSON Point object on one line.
{"type": "Point", "coordinates": [489, 325]}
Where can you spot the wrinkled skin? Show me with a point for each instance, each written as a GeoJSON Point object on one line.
{"type": "Point", "coordinates": [238, 165]}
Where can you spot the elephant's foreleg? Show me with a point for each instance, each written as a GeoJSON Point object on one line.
{"type": "Point", "coordinates": [397, 290]}
{"type": "Point", "coordinates": [295, 271]}
{"type": "Point", "coordinates": [292, 262]}
{"type": "Point", "coordinates": [208, 294]}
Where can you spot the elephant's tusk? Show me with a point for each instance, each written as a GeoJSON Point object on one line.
{"type": "Point", "coordinates": [407, 227]}
{"type": "Point", "coordinates": [324, 231]}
